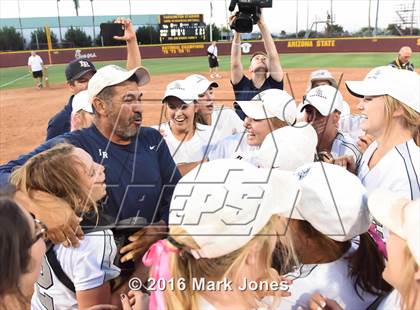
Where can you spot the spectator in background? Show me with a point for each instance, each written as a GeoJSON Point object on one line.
{"type": "Point", "coordinates": [35, 66]}
{"type": "Point", "coordinates": [80, 71]}
{"type": "Point", "coordinates": [213, 60]}
{"type": "Point", "coordinates": [403, 59]}
{"type": "Point", "coordinates": [265, 68]}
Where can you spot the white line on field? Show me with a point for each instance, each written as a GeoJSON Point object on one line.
{"type": "Point", "coordinates": [11, 82]}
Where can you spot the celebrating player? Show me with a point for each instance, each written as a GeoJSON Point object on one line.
{"type": "Point", "coordinates": [329, 228]}
{"type": "Point", "coordinates": [223, 229]}
{"type": "Point", "coordinates": [69, 173]}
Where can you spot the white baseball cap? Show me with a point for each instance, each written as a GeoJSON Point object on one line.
{"type": "Point", "coordinates": [398, 214]}
{"type": "Point", "coordinates": [271, 103]}
{"type": "Point", "coordinates": [182, 90]}
{"type": "Point", "coordinates": [112, 75]}
{"type": "Point", "coordinates": [289, 147]}
{"type": "Point", "coordinates": [200, 83]}
{"type": "Point", "coordinates": [321, 75]}
{"type": "Point", "coordinates": [333, 201]}
{"type": "Point", "coordinates": [403, 85]}
{"type": "Point", "coordinates": [224, 203]}
{"type": "Point", "coordinates": [81, 102]}
{"type": "Point", "coordinates": [325, 98]}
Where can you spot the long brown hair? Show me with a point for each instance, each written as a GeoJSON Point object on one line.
{"type": "Point", "coordinates": [15, 251]}
{"type": "Point", "coordinates": [184, 265]}
{"type": "Point", "coordinates": [366, 264]}
{"type": "Point", "coordinates": [55, 171]}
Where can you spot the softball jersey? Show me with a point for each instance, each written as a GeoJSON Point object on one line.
{"type": "Point", "coordinates": [225, 122]}
{"type": "Point", "coordinates": [234, 146]}
{"type": "Point", "coordinates": [398, 171]}
{"type": "Point", "coordinates": [88, 266]}
{"type": "Point", "coordinates": [344, 145]}
{"type": "Point", "coordinates": [329, 279]}
{"type": "Point", "coordinates": [189, 151]}
{"type": "Point", "coordinates": [392, 301]}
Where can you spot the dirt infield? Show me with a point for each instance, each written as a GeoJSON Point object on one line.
{"type": "Point", "coordinates": [24, 113]}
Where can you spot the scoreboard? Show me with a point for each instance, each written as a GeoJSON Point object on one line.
{"type": "Point", "coordinates": [182, 28]}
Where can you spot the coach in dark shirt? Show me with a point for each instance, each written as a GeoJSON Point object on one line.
{"type": "Point", "coordinates": [265, 68]}
{"type": "Point", "coordinates": [140, 173]}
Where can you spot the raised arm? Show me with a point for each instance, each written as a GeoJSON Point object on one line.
{"type": "Point", "coordinates": [133, 51]}
{"type": "Point", "coordinates": [236, 69]}
{"type": "Point", "coordinates": [274, 66]}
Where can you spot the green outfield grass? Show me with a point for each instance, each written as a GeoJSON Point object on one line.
{"type": "Point", "coordinates": [199, 64]}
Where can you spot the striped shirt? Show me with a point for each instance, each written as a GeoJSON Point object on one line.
{"type": "Point", "coordinates": [344, 145]}
{"type": "Point", "coordinates": [398, 171]}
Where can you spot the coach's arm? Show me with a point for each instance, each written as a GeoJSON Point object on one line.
{"type": "Point", "coordinates": [7, 169]}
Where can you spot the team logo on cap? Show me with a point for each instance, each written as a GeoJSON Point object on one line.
{"type": "Point", "coordinates": [177, 85]}
{"type": "Point", "coordinates": [303, 173]}
{"type": "Point", "coordinates": [375, 74]}
{"type": "Point", "coordinates": [84, 64]}
{"type": "Point", "coordinates": [319, 93]}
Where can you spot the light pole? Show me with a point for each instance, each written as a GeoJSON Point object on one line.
{"type": "Point", "coordinates": [20, 20]}
{"type": "Point", "coordinates": [376, 21]}
{"type": "Point", "coordinates": [59, 21]}
{"type": "Point", "coordinates": [297, 17]}
{"type": "Point", "coordinates": [129, 7]}
{"type": "Point", "coordinates": [93, 20]}
{"type": "Point", "coordinates": [331, 10]}
{"type": "Point", "coordinates": [211, 20]}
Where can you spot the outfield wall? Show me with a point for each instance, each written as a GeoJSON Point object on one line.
{"type": "Point", "coordinates": [332, 45]}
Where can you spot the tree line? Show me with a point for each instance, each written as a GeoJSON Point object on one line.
{"type": "Point", "coordinates": [12, 40]}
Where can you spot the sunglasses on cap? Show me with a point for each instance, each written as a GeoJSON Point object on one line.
{"type": "Point", "coordinates": [40, 230]}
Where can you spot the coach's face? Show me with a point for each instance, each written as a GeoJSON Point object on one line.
{"type": "Point", "coordinates": [123, 113]}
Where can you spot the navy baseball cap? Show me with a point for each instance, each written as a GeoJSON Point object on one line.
{"type": "Point", "coordinates": [77, 68]}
